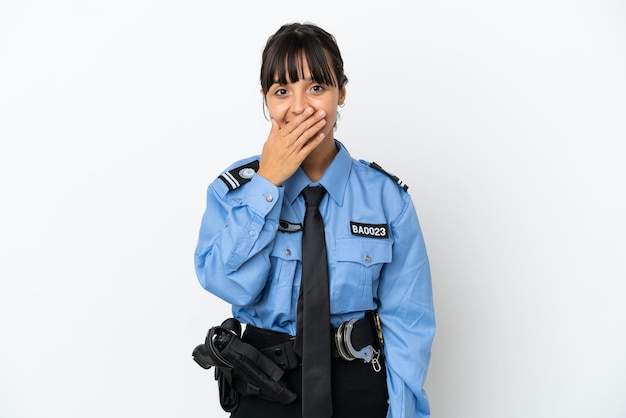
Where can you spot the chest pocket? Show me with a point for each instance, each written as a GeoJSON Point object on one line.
{"type": "Point", "coordinates": [284, 259]}
{"type": "Point", "coordinates": [355, 278]}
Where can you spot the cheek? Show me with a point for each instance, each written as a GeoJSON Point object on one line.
{"type": "Point", "coordinates": [331, 116]}
{"type": "Point", "coordinates": [276, 112]}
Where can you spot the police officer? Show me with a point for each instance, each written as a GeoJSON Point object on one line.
{"type": "Point", "coordinates": [249, 251]}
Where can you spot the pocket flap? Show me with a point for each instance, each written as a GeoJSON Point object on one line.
{"type": "Point", "coordinates": [365, 251]}
{"type": "Point", "coordinates": [287, 246]}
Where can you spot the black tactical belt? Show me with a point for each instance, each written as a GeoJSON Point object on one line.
{"type": "Point", "coordinates": [254, 364]}
{"type": "Point", "coordinates": [351, 340]}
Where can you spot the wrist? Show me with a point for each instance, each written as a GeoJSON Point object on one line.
{"type": "Point", "coordinates": [269, 177]}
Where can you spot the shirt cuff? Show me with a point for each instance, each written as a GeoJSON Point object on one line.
{"type": "Point", "coordinates": [262, 195]}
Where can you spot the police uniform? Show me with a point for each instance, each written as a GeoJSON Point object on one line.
{"type": "Point", "coordinates": [249, 254]}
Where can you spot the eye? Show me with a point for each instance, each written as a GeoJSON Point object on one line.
{"type": "Point", "coordinates": [280, 92]}
{"type": "Point", "coordinates": [318, 88]}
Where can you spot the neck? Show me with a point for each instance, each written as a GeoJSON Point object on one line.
{"type": "Point", "coordinates": [319, 159]}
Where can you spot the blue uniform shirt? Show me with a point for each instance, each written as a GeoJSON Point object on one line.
{"type": "Point", "coordinates": [249, 254]}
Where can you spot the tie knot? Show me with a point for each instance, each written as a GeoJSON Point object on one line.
{"type": "Point", "coordinates": [313, 195]}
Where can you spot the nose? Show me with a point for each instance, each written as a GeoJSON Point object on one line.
{"type": "Point", "coordinates": [299, 103]}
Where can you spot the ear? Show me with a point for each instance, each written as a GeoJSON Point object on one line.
{"type": "Point", "coordinates": [264, 97]}
{"type": "Point", "coordinates": [264, 104]}
{"type": "Point", "coordinates": [342, 95]}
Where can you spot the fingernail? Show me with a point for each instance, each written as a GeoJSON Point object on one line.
{"type": "Point", "coordinates": [309, 110]}
{"type": "Point", "coordinates": [321, 113]}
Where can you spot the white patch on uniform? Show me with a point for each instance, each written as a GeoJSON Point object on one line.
{"type": "Point", "coordinates": [246, 173]}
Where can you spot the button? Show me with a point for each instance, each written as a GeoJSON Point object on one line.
{"type": "Point", "coordinates": [288, 252]}
{"type": "Point", "coordinates": [252, 233]}
{"type": "Point", "coordinates": [367, 259]}
{"type": "Point", "coordinates": [269, 198]}
{"type": "Point", "coordinates": [278, 352]}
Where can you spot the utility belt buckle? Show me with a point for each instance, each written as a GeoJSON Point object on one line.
{"type": "Point", "coordinates": [343, 340]}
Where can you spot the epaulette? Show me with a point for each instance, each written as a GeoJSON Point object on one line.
{"type": "Point", "coordinates": [399, 182]}
{"type": "Point", "coordinates": [240, 175]}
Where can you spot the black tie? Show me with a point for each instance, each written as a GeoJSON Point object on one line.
{"type": "Point", "coordinates": [313, 323]}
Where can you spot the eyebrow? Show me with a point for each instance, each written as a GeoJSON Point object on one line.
{"type": "Point", "coordinates": [309, 79]}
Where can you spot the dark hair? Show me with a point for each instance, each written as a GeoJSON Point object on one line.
{"type": "Point", "coordinates": [285, 50]}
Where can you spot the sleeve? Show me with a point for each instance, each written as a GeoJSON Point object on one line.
{"type": "Point", "coordinates": [236, 235]}
{"type": "Point", "coordinates": [407, 316]}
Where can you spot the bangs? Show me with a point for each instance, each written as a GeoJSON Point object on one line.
{"type": "Point", "coordinates": [284, 63]}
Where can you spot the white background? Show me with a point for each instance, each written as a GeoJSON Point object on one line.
{"type": "Point", "coordinates": [506, 119]}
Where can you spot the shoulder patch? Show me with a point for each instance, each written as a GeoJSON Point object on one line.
{"type": "Point", "coordinates": [399, 182]}
{"type": "Point", "coordinates": [240, 175]}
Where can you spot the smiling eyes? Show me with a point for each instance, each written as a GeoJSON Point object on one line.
{"type": "Point", "coordinates": [316, 88]}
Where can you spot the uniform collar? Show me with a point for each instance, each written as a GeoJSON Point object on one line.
{"type": "Point", "coordinates": [334, 180]}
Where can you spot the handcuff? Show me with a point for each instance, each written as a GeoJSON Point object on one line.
{"type": "Point", "coordinates": [347, 351]}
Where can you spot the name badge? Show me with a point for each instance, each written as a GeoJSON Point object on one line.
{"type": "Point", "coordinates": [369, 230]}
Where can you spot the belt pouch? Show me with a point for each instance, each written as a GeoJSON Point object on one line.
{"type": "Point", "coordinates": [240, 368]}
{"type": "Point", "coordinates": [255, 374]}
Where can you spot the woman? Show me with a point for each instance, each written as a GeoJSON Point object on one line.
{"type": "Point", "coordinates": [252, 253]}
